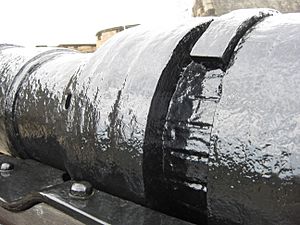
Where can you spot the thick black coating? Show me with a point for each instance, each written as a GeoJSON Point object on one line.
{"type": "Point", "coordinates": [136, 121]}
{"type": "Point", "coordinates": [16, 80]}
{"type": "Point", "coordinates": [254, 163]}
{"type": "Point", "coordinates": [46, 92]}
{"type": "Point", "coordinates": [93, 124]}
{"type": "Point", "coordinates": [153, 158]}
{"type": "Point", "coordinates": [186, 138]}
{"type": "Point", "coordinates": [221, 37]}
{"type": "Point", "coordinates": [111, 105]}
{"type": "Point", "coordinates": [12, 58]}
{"type": "Point", "coordinates": [187, 132]}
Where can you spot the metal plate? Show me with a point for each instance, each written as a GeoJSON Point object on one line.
{"type": "Point", "coordinates": [41, 214]}
{"type": "Point", "coordinates": [30, 182]}
{"type": "Point", "coordinates": [19, 187]}
{"type": "Point", "coordinates": [103, 208]}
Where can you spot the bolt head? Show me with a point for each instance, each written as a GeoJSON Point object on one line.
{"type": "Point", "coordinates": [6, 166]}
{"type": "Point", "coordinates": [81, 189]}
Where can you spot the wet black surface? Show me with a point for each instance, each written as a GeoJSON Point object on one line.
{"type": "Point", "coordinates": [186, 138]}
{"type": "Point", "coordinates": [15, 63]}
{"type": "Point", "coordinates": [153, 159]}
{"type": "Point", "coordinates": [91, 119]}
{"type": "Point", "coordinates": [12, 58]}
{"type": "Point", "coordinates": [45, 92]}
{"type": "Point", "coordinates": [110, 108]}
{"type": "Point", "coordinates": [187, 132]}
{"type": "Point", "coordinates": [213, 134]}
{"type": "Point", "coordinates": [221, 37]}
{"type": "Point", "coordinates": [254, 159]}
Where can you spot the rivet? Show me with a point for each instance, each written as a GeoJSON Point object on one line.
{"type": "Point", "coordinates": [81, 189]}
{"type": "Point", "coordinates": [6, 166]}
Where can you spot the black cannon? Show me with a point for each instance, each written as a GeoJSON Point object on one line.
{"type": "Point", "coordinates": [200, 121]}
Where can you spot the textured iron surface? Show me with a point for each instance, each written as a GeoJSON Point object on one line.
{"type": "Point", "coordinates": [225, 32]}
{"type": "Point", "coordinates": [12, 58]}
{"type": "Point", "coordinates": [186, 138]}
{"type": "Point", "coordinates": [95, 117]}
{"type": "Point", "coordinates": [110, 108]}
{"type": "Point", "coordinates": [254, 175]}
{"type": "Point", "coordinates": [213, 133]}
{"type": "Point", "coordinates": [15, 62]}
{"type": "Point", "coordinates": [187, 132]}
{"type": "Point", "coordinates": [45, 91]}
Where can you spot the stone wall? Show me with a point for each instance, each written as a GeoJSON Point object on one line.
{"type": "Point", "coordinates": [203, 8]}
{"type": "Point", "coordinates": [104, 35]}
{"type": "Point", "coordinates": [219, 7]}
{"type": "Point", "coordinates": [87, 48]}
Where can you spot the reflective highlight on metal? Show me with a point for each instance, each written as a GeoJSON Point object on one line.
{"type": "Point", "coordinates": [199, 120]}
{"type": "Point", "coordinates": [33, 182]}
{"type": "Point", "coordinates": [15, 61]}
{"type": "Point", "coordinates": [254, 156]}
{"type": "Point", "coordinates": [18, 187]}
{"type": "Point", "coordinates": [6, 166]}
{"type": "Point", "coordinates": [232, 27]}
{"type": "Point", "coordinates": [81, 190]}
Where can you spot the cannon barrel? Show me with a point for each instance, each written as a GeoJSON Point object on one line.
{"type": "Point", "coordinates": [198, 120]}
